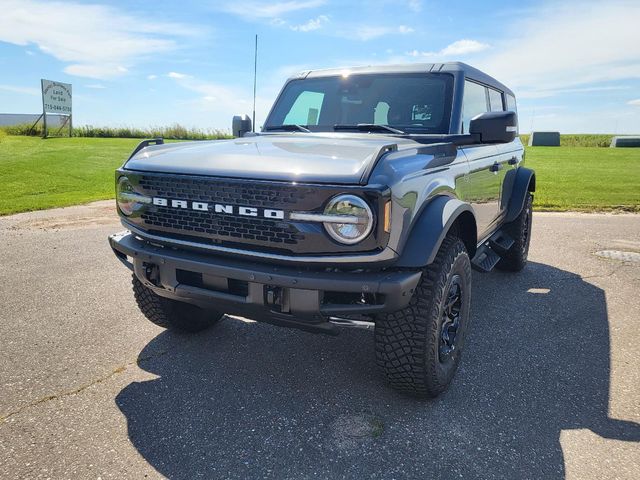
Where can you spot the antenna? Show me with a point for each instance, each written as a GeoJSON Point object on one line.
{"type": "Point", "coordinates": [255, 76]}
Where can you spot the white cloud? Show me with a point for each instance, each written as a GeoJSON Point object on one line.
{"type": "Point", "coordinates": [18, 89]}
{"type": "Point", "coordinates": [215, 104]}
{"type": "Point", "coordinates": [568, 46]}
{"type": "Point", "coordinates": [369, 32]}
{"type": "Point", "coordinates": [95, 40]}
{"type": "Point", "coordinates": [455, 49]}
{"type": "Point", "coordinates": [313, 24]}
{"type": "Point", "coordinates": [177, 75]}
{"type": "Point", "coordinates": [254, 10]}
{"type": "Point", "coordinates": [29, 52]}
{"type": "Point", "coordinates": [97, 86]}
{"type": "Point", "coordinates": [414, 5]}
{"type": "Point", "coordinates": [152, 77]}
{"type": "Point", "coordinates": [635, 103]}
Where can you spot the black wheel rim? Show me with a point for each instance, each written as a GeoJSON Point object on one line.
{"type": "Point", "coordinates": [451, 314]}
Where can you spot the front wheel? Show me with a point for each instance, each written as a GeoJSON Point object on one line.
{"type": "Point", "coordinates": [172, 314]}
{"type": "Point", "coordinates": [419, 347]}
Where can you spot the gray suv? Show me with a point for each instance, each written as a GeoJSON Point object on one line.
{"type": "Point", "coordinates": [366, 200]}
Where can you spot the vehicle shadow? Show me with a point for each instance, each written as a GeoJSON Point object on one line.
{"type": "Point", "coordinates": [249, 400]}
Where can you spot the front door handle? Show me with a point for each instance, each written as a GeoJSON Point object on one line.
{"type": "Point", "coordinates": [495, 167]}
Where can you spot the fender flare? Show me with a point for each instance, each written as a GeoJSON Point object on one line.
{"type": "Point", "coordinates": [524, 182]}
{"type": "Point", "coordinates": [431, 228]}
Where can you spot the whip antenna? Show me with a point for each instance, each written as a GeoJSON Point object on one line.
{"type": "Point", "coordinates": [255, 76]}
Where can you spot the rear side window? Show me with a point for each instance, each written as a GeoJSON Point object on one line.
{"type": "Point", "coordinates": [495, 100]}
{"type": "Point", "coordinates": [306, 109]}
{"type": "Point", "coordinates": [474, 102]}
{"type": "Point", "coordinates": [511, 103]}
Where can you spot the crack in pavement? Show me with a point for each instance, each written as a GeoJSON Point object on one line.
{"type": "Point", "coordinates": [57, 396]}
{"type": "Point", "coordinates": [578, 277]}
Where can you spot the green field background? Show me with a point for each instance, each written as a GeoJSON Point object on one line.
{"type": "Point", "coordinates": [37, 174]}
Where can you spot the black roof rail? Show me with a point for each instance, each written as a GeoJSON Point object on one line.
{"type": "Point", "coordinates": [145, 144]}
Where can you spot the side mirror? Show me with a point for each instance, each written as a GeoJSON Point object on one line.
{"type": "Point", "coordinates": [495, 127]}
{"type": "Point", "coordinates": [240, 125]}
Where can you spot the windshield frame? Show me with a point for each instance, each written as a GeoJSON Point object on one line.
{"type": "Point", "coordinates": [445, 124]}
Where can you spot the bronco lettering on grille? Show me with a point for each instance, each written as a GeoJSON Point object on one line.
{"type": "Point", "coordinates": [219, 208]}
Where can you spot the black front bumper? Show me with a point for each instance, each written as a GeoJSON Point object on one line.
{"type": "Point", "coordinates": [290, 296]}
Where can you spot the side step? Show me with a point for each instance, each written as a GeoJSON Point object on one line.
{"type": "Point", "coordinates": [500, 242]}
{"type": "Point", "coordinates": [490, 253]}
{"type": "Point", "coordinates": [485, 259]}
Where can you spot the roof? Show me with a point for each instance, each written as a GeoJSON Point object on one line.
{"type": "Point", "coordinates": [455, 68]}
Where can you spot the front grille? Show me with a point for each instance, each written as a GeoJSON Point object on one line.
{"type": "Point", "coordinates": [245, 228]}
{"type": "Point", "coordinates": [240, 231]}
{"type": "Point", "coordinates": [229, 192]}
{"type": "Point", "coordinates": [233, 192]}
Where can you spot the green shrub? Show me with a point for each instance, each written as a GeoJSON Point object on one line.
{"type": "Point", "coordinates": [23, 129]}
{"type": "Point", "coordinates": [172, 132]}
{"type": "Point", "coordinates": [579, 140]}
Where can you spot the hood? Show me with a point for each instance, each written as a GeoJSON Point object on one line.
{"type": "Point", "coordinates": [314, 158]}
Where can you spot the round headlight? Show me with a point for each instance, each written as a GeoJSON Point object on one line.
{"type": "Point", "coordinates": [128, 200]}
{"type": "Point", "coordinates": [352, 220]}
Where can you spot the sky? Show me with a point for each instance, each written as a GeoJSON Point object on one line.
{"type": "Point", "coordinates": [574, 65]}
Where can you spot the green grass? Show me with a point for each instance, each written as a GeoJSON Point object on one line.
{"type": "Point", "coordinates": [586, 178]}
{"type": "Point", "coordinates": [37, 174]}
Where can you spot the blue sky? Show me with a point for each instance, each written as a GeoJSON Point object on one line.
{"type": "Point", "coordinates": [575, 66]}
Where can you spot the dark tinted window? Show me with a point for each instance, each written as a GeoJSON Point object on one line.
{"type": "Point", "coordinates": [418, 103]}
{"type": "Point", "coordinates": [474, 102]}
{"type": "Point", "coordinates": [495, 100]}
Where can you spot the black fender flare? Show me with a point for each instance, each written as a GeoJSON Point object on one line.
{"type": "Point", "coordinates": [431, 228]}
{"type": "Point", "coordinates": [523, 183]}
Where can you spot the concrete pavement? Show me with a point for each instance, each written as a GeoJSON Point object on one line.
{"type": "Point", "coordinates": [548, 387]}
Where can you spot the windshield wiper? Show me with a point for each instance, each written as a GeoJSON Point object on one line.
{"type": "Point", "coordinates": [368, 127]}
{"type": "Point", "coordinates": [287, 128]}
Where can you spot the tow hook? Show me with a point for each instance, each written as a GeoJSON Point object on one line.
{"type": "Point", "coordinates": [152, 273]}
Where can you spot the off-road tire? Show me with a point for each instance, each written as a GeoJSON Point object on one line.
{"type": "Point", "coordinates": [407, 342]}
{"type": "Point", "coordinates": [520, 230]}
{"type": "Point", "coordinates": [171, 314]}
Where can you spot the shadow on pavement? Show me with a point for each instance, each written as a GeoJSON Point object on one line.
{"type": "Point", "coordinates": [251, 400]}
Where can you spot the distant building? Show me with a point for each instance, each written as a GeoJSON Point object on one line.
{"type": "Point", "coordinates": [7, 119]}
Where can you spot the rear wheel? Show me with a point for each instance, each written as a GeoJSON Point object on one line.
{"type": "Point", "coordinates": [520, 230]}
{"type": "Point", "coordinates": [172, 314]}
{"type": "Point", "coordinates": [419, 348]}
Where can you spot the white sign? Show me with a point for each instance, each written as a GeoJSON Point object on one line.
{"type": "Point", "coordinates": [56, 97]}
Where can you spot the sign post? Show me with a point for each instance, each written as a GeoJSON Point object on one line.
{"type": "Point", "coordinates": [56, 99]}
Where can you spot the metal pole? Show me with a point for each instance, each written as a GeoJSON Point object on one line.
{"type": "Point", "coordinates": [34, 124]}
{"type": "Point", "coordinates": [44, 112]}
{"type": "Point", "coordinates": [255, 76]}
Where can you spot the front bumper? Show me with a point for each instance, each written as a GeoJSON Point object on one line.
{"type": "Point", "coordinates": [286, 295]}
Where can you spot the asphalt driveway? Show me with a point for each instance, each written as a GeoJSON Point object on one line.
{"type": "Point", "coordinates": [548, 388]}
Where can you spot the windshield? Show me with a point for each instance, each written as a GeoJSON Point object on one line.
{"type": "Point", "coordinates": [412, 103]}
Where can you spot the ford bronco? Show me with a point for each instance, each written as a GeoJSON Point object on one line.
{"type": "Point", "coordinates": [365, 200]}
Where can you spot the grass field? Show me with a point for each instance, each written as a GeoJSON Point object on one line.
{"type": "Point", "coordinates": [586, 178]}
{"type": "Point", "coordinates": [37, 174]}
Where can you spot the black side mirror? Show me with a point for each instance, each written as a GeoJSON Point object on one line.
{"type": "Point", "coordinates": [240, 125]}
{"type": "Point", "coordinates": [495, 127]}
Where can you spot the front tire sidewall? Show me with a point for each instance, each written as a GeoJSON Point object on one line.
{"type": "Point", "coordinates": [408, 341]}
{"type": "Point", "coordinates": [445, 369]}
